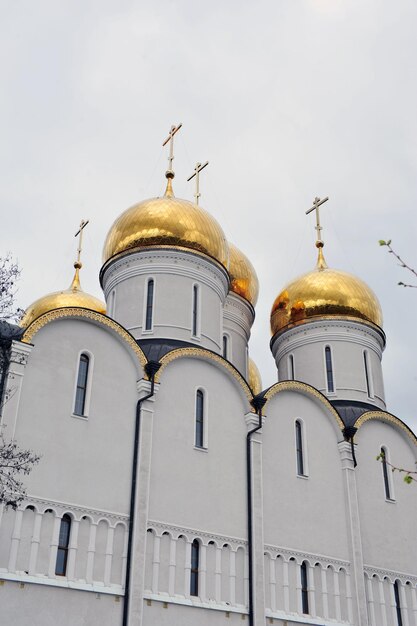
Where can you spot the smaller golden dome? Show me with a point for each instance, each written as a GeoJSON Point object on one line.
{"type": "Point", "coordinates": [254, 378]}
{"type": "Point", "coordinates": [72, 297]}
{"type": "Point", "coordinates": [324, 293]}
{"type": "Point", "coordinates": [167, 221]}
{"type": "Point", "coordinates": [243, 278]}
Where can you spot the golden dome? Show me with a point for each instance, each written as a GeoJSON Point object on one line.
{"type": "Point", "coordinates": [324, 293]}
{"type": "Point", "coordinates": [243, 278]}
{"type": "Point", "coordinates": [72, 297]}
{"type": "Point", "coordinates": [167, 221]}
{"type": "Point", "coordinates": [254, 377]}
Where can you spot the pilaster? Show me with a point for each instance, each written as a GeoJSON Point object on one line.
{"type": "Point", "coordinates": [258, 574]}
{"type": "Point", "coordinates": [19, 354]}
{"type": "Point", "coordinates": [360, 612]}
{"type": "Point", "coordinates": [137, 571]}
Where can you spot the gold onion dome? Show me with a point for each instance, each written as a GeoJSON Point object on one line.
{"type": "Point", "coordinates": [254, 377]}
{"type": "Point", "coordinates": [324, 293]}
{"type": "Point", "coordinates": [243, 278]}
{"type": "Point", "coordinates": [167, 221]}
{"type": "Point", "coordinates": [71, 297]}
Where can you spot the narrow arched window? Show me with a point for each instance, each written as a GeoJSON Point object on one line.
{"type": "Point", "coordinates": [366, 366]}
{"type": "Point", "coordinates": [304, 587]}
{"type": "Point", "coordinates": [225, 347]}
{"type": "Point", "coordinates": [63, 543]}
{"type": "Point", "coordinates": [149, 305]}
{"type": "Point", "coordinates": [291, 370]}
{"type": "Point", "coordinates": [195, 560]}
{"type": "Point", "coordinates": [299, 448]}
{"type": "Point", "coordinates": [329, 370]}
{"type": "Point", "coordinates": [199, 419]}
{"type": "Point", "coordinates": [398, 603]}
{"type": "Point", "coordinates": [81, 391]}
{"type": "Point", "coordinates": [386, 473]}
{"type": "Point", "coordinates": [195, 310]}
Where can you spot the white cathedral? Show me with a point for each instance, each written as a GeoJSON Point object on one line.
{"type": "Point", "coordinates": [172, 488]}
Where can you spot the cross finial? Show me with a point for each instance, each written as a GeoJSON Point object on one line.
{"type": "Point", "coordinates": [79, 234]}
{"type": "Point", "coordinates": [198, 168]}
{"type": "Point", "coordinates": [174, 129]}
{"type": "Point", "coordinates": [316, 204]}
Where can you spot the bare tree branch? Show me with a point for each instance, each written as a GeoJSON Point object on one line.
{"type": "Point", "coordinates": [401, 262]}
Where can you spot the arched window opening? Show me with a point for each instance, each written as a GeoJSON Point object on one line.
{"type": "Point", "coordinates": [304, 587]}
{"type": "Point", "coordinates": [398, 603]}
{"type": "Point", "coordinates": [81, 392]}
{"type": "Point", "coordinates": [195, 559]}
{"type": "Point", "coordinates": [199, 419]}
{"type": "Point", "coordinates": [386, 474]}
{"type": "Point", "coordinates": [225, 347]}
{"type": "Point", "coordinates": [149, 305]}
{"type": "Point", "coordinates": [195, 310]}
{"type": "Point", "coordinates": [366, 366]}
{"type": "Point", "coordinates": [329, 370]}
{"type": "Point", "coordinates": [63, 543]}
{"type": "Point", "coordinates": [299, 448]}
{"type": "Point", "coordinates": [291, 369]}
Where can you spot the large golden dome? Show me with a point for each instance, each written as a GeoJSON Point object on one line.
{"type": "Point", "coordinates": [72, 297]}
{"type": "Point", "coordinates": [324, 293]}
{"type": "Point", "coordinates": [243, 278]}
{"type": "Point", "coordinates": [167, 221]}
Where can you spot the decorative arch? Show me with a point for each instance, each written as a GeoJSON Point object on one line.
{"type": "Point", "coordinates": [78, 312]}
{"type": "Point", "coordinates": [207, 355]}
{"type": "Point", "coordinates": [383, 416]}
{"type": "Point", "coordinates": [293, 385]}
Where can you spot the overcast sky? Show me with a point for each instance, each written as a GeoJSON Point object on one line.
{"type": "Point", "coordinates": [287, 99]}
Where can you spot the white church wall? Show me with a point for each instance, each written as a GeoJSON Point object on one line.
{"type": "Point", "coordinates": [307, 513]}
{"type": "Point", "coordinates": [190, 485]}
{"type": "Point", "coordinates": [79, 457]}
{"type": "Point", "coordinates": [174, 274]}
{"type": "Point", "coordinates": [25, 603]}
{"type": "Point", "coordinates": [388, 527]}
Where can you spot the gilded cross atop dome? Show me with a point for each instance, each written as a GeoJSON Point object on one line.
{"type": "Point", "coordinates": [198, 168]}
{"type": "Point", "coordinates": [170, 139]}
{"type": "Point", "coordinates": [321, 263]}
{"type": "Point", "coordinates": [78, 265]}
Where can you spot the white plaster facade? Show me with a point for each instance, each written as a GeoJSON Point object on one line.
{"type": "Point", "coordinates": [328, 546]}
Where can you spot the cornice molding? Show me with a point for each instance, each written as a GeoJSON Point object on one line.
{"type": "Point", "coordinates": [317, 332]}
{"type": "Point", "coordinates": [383, 416]}
{"type": "Point", "coordinates": [293, 385]}
{"type": "Point", "coordinates": [206, 355]}
{"type": "Point", "coordinates": [177, 262]}
{"type": "Point", "coordinates": [86, 314]}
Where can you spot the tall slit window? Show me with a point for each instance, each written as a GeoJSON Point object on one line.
{"type": "Point", "coordinates": [398, 603]}
{"type": "Point", "coordinates": [199, 419]}
{"type": "Point", "coordinates": [81, 391]}
{"type": "Point", "coordinates": [366, 366]}
{"type": "Point", "coordinates": [63, 543]}
{"type": "Point", "coordinates": [149, 305]}
{"type": "Point", "coordinates": [225, 347]}
{"type": "Point", "coordinates": [304, 587]}
{"type": "Point", "coordinates": [299, 448]}
{"type": "Point", "coordinates": [195, 310]}
{"type": "Point", "coordinates": [385, 474]}
{"type": "Point", "coordinates": [195, 559]}
{"type": "Point", "coordinates": [329, 370]}
{"type": "Point", "coordinates": [291, 370]}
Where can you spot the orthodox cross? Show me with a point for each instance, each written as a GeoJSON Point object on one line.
{"type": "Point", "coordinates": [316, 204]}
{"type": "Point", "coordinates": [170, 139]}
{"type": "Point", "coordinates": [198, 168]}
{"type": "Point", "coordinates": [80, 241]}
